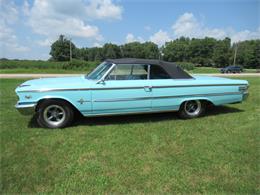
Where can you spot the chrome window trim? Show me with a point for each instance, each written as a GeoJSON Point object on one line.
{"type": "Point", "coordinates": [93, 70]}
{"type": "Point", "coordinates": [132, 65]}
{"type": "Point", "coordinates": [135, 87]}
{"type": "Point", "coordinates": [149, 70]}
{"type": "Point", "coordinates": [108, 71]}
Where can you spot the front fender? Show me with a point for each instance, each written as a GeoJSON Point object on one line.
{"type": "Point", "coordinates": [57, 97]}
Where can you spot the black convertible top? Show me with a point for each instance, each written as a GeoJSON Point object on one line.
{"type": "Point", "coordinates": [171, 68]}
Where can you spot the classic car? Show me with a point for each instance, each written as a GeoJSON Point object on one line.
{"type": "Point", "coordinates": [231, 69]}
{"type": "Point", "coordinates": [126, 86]}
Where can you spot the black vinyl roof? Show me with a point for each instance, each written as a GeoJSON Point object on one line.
{"type": "Point", "coordinates": [171, 68]}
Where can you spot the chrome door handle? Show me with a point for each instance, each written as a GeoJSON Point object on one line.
{"type": "Point", "coordinates": [148, 88]}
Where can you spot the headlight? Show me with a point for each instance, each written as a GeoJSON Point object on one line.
{"type": "Point", "coordinates": [243, 89]}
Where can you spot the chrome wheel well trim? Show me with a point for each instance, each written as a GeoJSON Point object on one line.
{"type": "Point", "coordinates": [54, 98]}
{"type": "Point", "coordinates": [202, 99]}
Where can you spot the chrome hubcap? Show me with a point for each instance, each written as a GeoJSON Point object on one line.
{"type": "Point", "coordinates": [54, 115]}
{"type": "Point", "coordinates": [192, 107]}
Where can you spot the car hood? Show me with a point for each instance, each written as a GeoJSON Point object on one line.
{"type": "Point", "coordinates": [54, 83]}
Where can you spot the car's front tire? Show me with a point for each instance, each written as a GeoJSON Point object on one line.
{"type": "Point", "coordinates": [54, 114]}
{"type": "Point", "coordinates": [192, 109]}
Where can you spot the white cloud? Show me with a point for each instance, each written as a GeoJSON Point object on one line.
{"type": "Point", "coordinates": [188, 25]}
{"type": "Point", "coordinates": [131, 38]}
{"type": "Point", "coordinates": [8, 17]}
{"type": "Point", "coordinates": [54, 17]}
{"type": "Point", "coordinates": [96, 44]}
{"type": "Point", "coordinates": [69, 17]}
{"type": "Point", "coordinates": [104, 9]}
{"type": "Point", "coordinates": [45, 43]}
{"type": "Point", "coordinates": [8, 11]}
{"type": "Point", "coordinates": [245, 35]}
{"type": "Point", "coordinates": [26, 8]}
{"type": "Point", "coordinates": [9, 42]}
{"type": "Point", "coordinates": [160, 37]}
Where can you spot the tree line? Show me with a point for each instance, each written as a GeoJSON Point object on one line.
{"type": "Point", "coordinates": [202, 52]}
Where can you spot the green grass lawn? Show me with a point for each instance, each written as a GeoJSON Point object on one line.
{"type": "Point", "coordinates": [152, 154]}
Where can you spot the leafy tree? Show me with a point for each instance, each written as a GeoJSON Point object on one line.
{"type": "Point", "coordinates": [201, 51]}
{"type": "Point", "coordinates": [132, 50]}
{"type": "Point", "coordinates": [221, 53]}
{"type": "Point", "coordinates": [204, 52]}
{"type": "Point", "coordinates": [177, 50]}
{"type": "Point", "coordinates": [111, 51]}
{"type": "Point", "coordinates": [248, 53]}
{"type": "Point", "coordinates": [151, 50]}
{"type": "Point", "coordinates": [95, 54]}
{"type": "Point", "coordinates": [60, 49]}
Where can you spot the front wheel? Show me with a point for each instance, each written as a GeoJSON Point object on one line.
{"type": "Point", "coordinates": [192, 109]}
{"type": "Point", "coordinates": [54, 114]}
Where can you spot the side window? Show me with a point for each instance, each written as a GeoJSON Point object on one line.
{"type": "Point", "coordinates": [128, 72]}
{"type": "Point", "coordinates": [157, 72]}
{"type": "Point", "coordinates": [140, 72]}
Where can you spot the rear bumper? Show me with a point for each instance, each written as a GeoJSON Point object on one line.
{"type": "Point", "coordinates": [26, 109]}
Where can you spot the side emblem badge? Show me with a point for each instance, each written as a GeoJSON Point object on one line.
{"type": "Point", "coordinates": [28, 97]}
{"type": "Point", "coordinates": [81, 101]}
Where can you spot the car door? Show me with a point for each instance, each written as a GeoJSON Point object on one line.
{"type": "Point", "coordinates": [164, 94]}
{"type": "Point", "coordinates": [126, 89]}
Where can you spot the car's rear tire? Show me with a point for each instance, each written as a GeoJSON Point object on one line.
{"type": "Point", "coordinates": [54, 114]}
{"type": "Point", "coordinates": [192, 109]}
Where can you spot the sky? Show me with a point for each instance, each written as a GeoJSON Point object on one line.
{"type": "Point", "coordinates": [28, 27]}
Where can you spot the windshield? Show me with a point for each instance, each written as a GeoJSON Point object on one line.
{"type": "Point", "coordinates": [99, 71]}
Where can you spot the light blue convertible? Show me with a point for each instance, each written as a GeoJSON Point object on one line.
{"type": "Point", "coordinates": [126, 86]}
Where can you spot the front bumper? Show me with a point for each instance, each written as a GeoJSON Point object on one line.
{"type": "Point", "coordinates": [26, 109]}
{"type": "Point", "coordinates": [245, 95]}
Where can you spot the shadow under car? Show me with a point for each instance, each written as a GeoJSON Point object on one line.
{"type": "Point", "coordinates": [139, 118]}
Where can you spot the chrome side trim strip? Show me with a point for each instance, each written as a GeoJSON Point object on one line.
{"type": "Point", "coordinates": [129, 113]}
{"type": "Point", "coordinates": [165, 97]}
{"type": "Point", "coordinates": [122, 99]}
{"type": "Point", "coordinates": [122, 88]}
{"type": "Point", "coordinates": [50, 90]}
{"type": "Point", "coordinates": [206, 85]}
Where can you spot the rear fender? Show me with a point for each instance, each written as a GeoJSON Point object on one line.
{"type": "Point", "coordinates": [196, 98]}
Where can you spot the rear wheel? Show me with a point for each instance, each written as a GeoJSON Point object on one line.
{"type": "Point", "coordinates": [55, 114]}
{"type": "Point", "coordinates": [192, 109]}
